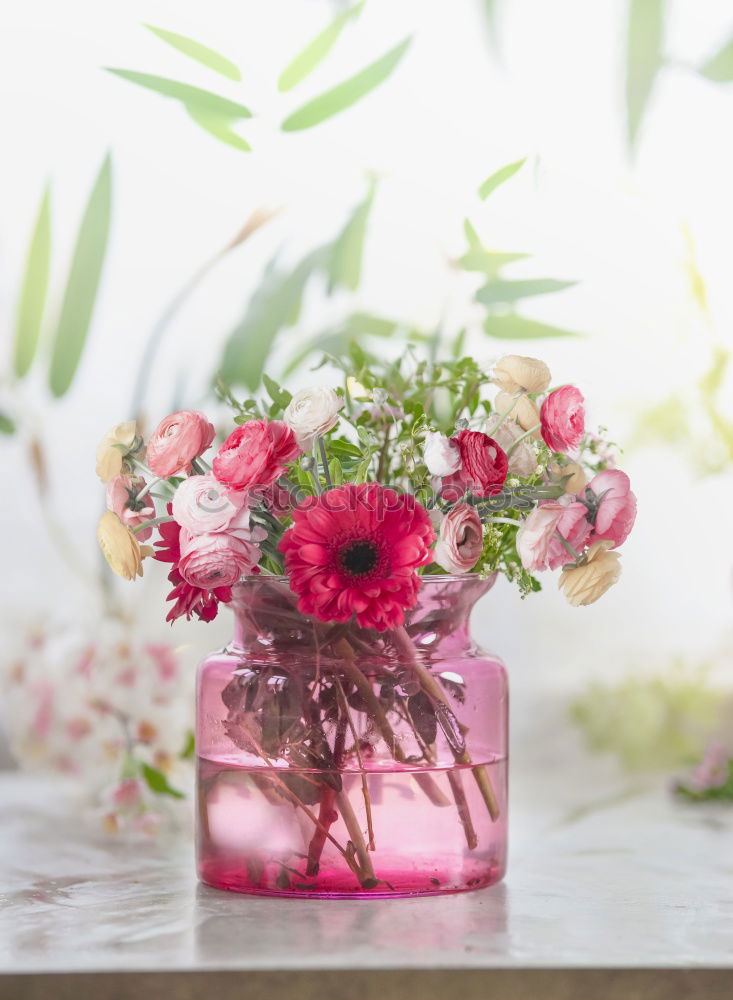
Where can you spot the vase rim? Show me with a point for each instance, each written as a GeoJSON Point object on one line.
{"type": "Point", "coordinates": [432, 578]}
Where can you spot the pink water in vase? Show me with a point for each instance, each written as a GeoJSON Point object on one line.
{"type": "Point", "coordinates": [340, 762]}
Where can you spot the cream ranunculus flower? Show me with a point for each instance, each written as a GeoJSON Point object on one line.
{"type": "Point", "coordinates": [312, 412]}
{"type": "Point", "coordinates": [577, 479]}
{"type": "Point", "coordinates": [515, 372]}
{"type": "Point", "coordinates": [525, 411]}
{"type": "Point", "coordinates": [121, 549]}
{"type": "Point", "coordinates": [598, 571]}
{"type": "Point", "coordinates": [111, 449]}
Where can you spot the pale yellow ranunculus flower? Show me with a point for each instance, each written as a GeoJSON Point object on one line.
{"type": "Point", "coordinates": [112, 448]}
{"type": "Point", "coordinates": [585, 583]}
{"type": "Point", "coordinates": [573, 473]}
{"type": "Point", "coordinates": [514, 372]}
{"type": "Point", "coordinates": [121, 549]}
{"type": "Point", "coordinates": [524, 411]}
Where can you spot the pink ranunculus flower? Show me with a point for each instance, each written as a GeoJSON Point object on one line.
{"type": "Point", "coordinates": [255, 454]}
{"type": "Point", "coordinates": [562, 419]}
{"type": "Point", "coordinates": [461, 539]}
{"type": "Point", "coordinates": [202, 504]}
{"type": "Point", "coordinates": [121, 493]}
{"type": "Point", "coordinates": [616, 511]}
{"type": "Point", "coordinates": [537, 542]}
{"type": "Point", "coordinates": [217, 559]}
{"type": "Point", "coordinates": [176, 441]}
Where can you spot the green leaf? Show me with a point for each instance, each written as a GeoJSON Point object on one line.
{"type": "Point", "coordinates": [507, 292]}
{"type": "Point", "coordinates": [33, 290]}
{"type": "Point", "coordinates": [498, 177]}
{"type": "Point", "coordinates": [488, 262]}
{"type": "Point", "coordinates": [273, 307]}
{"type": "Point", "coordinates": [219, 127]}
{"type": "Point", "coordinates": [189, 747]}
{"type": "Point", "coordinates": [513, 327]}
{"type": "Point", "coordinates": [7, 424]}
{"type": "Point", "coordinates": [346, 93]}
{"type": "Point", "coordinates": [201, 53]}
{"type": "Point", "coordinates": [344, 266]}
{"type": "Point", "coordinates": [279, 396]}
{"type": "Point", "coordinates": [158, 783]}
{"type": "Point", "coordinates": [316, 50]}
{"type": "Point", "coordinates": [191, 97]}
{"type": "Point", "coordinates": [719, 68]}
{"type": "Point", "coordinates": [82, 284]}
{"type": "Point", "coordinates": [643, 60]}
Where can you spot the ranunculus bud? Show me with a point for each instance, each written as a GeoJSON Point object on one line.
{"type": "Point", "coordinates": [514, 372]}
{"type": "Point", "coordinates": [441, 455]}
{"type": "Point", "coordinates": [563, 419]}
{"type": "Point", "coordinates": [585, 583]}
{"type": "Point", "coordinates": [461, 539]}
{"type": "Point", "coordinates": [312, 412]}
{"type": "Point", "coordinates": [524, 411]}
{"type": "Point", "coordinates": [111, 449]}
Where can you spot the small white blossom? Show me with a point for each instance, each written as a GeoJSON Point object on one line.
{"type": "Point", "coordinates": [441, 455]}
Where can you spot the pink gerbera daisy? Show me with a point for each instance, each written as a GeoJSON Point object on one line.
{"type": "Point", "coordinates": [354, 550]}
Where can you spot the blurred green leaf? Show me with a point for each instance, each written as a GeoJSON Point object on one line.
{"type": "Point", "coordinates": [643, 60]}
{"type": "Point", "coordinates": [513, 327]}
{"type": "Point", "coordinates": [488, 262]}
{"type": "Point", "coordinates": [719, 68]}
{"type": "Point", "coordinates": [33, 289]}
{"type": "Point", "coordinates": [337, 341]}
{"type": "Point", "coordinates": [498, 177]}
{"type": "Point", "coordinates": [274, 306]}
{"type": "Point", "coordinates": [189, 747]}
{"type": "Point", "coordinates": [344, 266]}
{"type": "Point", "coordinates": [316, 50]}
{"type": "Point", "coordinates": [201, 53]}
{"type": "Point", "coordinates": [7, 424]}
{"type": "Point", "coordinates": [191, 97]}
{"type": "Point", "coordinates": [158, 783]}
{"type": "Point", "coordinates": [219, 127]}
{"type": "Point", "coordinates": [507, 292]}
{"type": "Point", "coordinates": [346, 93]}
{"type": "Point", "coordinates": [82, 284]}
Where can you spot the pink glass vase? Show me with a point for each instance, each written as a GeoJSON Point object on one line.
{"type": "Point", "coordinates": [337, 762]}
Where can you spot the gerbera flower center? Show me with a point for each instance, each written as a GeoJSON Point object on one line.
{"type": "Point", "coordinates": [359, 557]}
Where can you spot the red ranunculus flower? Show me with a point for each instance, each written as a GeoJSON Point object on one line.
{"type": "Point", "coordinates": [188, 600]}
{"type": "Point", "coordinates": [255, 454]}
{"type": "Point", "coordinates": [483, 469]}
{"type": "Point", "coordinates": [354, 550]}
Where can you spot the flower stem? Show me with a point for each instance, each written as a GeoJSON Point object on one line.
{"type": "Point", "coordinates": [508, 412]}
{"type": "Point", "coordinates": [518, 441]}
{"type": "Point", "coordinates": [151, 523]}
{"type": "Point", "coordinates": [324, 462]}
{"type": "Point", "coordinates": [567, 545]}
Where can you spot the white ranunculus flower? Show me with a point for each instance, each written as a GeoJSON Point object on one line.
{"type": "Point", "coordinates": [441, 455]}
{"type": "Point", "coordinates": [312, 412]}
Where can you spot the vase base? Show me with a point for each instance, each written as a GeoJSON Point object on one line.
{"type": "Point", "coordinates": [393, 885]}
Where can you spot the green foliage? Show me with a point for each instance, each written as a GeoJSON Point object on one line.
{"type": "Point", "coordinates": [82, 283]}
{"type": "Point", "coordinates": [201, 53]}
{"type": "Point", "coordinates": [508, 292]}
{"type": "Point", "coordinates": [714, 793]}
{"type": "Point", "coordinates": [513, 327]}
{"type": "Point", "coordinates": [189, 747]}
{"type": "Point", "coordinates": [317, 49]}
{"type": "Point", "coordinates": [652, 722]}
{"type": "Point", "coordinates": [344, 266]}
{"type": "Point", "coordinates": [190, 97]}
{"type": "Point", "coordinates": [7, 424]}
{"type": "Point", "coordinates": [219, 127]}
{"type": "Point", "coordinates": [158, 783]}
{"type": "Point", "coordinates": [346, 93]}
{"type": "Point", "coordinates": [719, 68]}
{"type": "Point", "coordinates": [644, 58]}
{"type": "Point", "coordinates": [33, 290]}
{"type": "Point", "coordinates": [495, 180]}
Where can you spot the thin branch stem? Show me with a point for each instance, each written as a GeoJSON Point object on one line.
{"type": "Point", "coordinates": [517, 441]}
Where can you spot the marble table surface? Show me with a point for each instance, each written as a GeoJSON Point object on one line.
{"type": "Point", "coordinates": [606, 876]}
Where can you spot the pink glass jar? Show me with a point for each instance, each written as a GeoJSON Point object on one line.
{"type": "Point", "coordinates": [336, 762]}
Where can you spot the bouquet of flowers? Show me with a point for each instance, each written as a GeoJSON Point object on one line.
{"type": "Point", "coordinates": [322, 518]}
{"type": "Point", "coordinates": [355, 492]}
